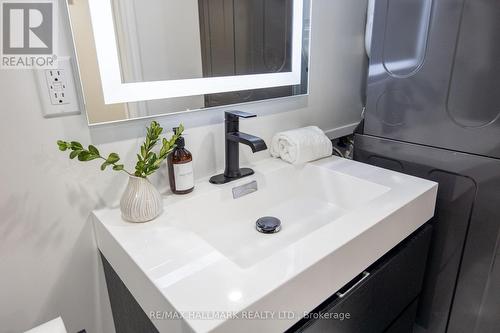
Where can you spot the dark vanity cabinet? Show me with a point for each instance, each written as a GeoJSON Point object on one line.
{"type": "Point", "coordinates": [383, 298]}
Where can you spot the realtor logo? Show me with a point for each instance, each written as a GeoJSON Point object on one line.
{"type": "Point", "coordinates": [28, 31]}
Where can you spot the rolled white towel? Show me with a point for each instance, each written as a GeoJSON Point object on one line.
{"type": "Point", "coordinates": [301, 145]}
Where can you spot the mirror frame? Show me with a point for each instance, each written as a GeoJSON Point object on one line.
{"type": "Point", "coordinates": [115, 91]}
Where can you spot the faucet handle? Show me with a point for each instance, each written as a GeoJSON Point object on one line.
{"type": "Point", "coordinates": [234, 115]}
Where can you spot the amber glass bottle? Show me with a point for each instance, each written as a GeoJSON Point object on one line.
{"type": "Point", "coordinates": [180, 169]}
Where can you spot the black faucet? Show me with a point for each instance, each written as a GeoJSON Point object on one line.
{"type": "Point", "coordinates": [233, 138]}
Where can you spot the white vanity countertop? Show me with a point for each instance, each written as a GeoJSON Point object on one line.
{"type": "Point", "coordinates": [203, 259]}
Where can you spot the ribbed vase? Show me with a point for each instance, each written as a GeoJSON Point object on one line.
{"type": "Point", "coordinates": [141, 201]}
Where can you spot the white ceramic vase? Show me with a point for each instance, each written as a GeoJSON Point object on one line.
{"type": "Point", "coordinates": [141, 201]}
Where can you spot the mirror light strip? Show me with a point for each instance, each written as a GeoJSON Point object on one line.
{"type": "Point", "coordinates": [115, 91]}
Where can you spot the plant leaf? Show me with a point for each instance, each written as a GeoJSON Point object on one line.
{"type": "Point", "coordinates": [147, 160]}
{"type": "Point", "coordinates": [139, 166]}
{"type": "Point", "coordinates": [159, 130]}
{"type": "Point", "coordinates": [152, 161]}
{"type": "Point", "coordinates": [118, 167]}
{"type": "Point", "coordinates": [157, 163]}
{"type": "Point", "coordinates": [163, 151]}
{"type": "Point", "coordinates": [85, 156]}
{"type": "Point", "coordinates": [75, 145]}
{"type": "Point", "coordinates": [104, 166]}
{"type": "Point", "coordinates": [93, 150]}
{"type": "Point", "coordinates": [113, 158]}
{"type": "Point", "coordinates": [74, 153]}
{"type": "Point", "coordinates": [62, 145]}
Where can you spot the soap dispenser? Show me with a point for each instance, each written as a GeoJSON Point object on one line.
{"type": "Point", "coordinates": [180, 168]}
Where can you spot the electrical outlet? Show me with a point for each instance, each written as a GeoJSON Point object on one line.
{"type": "Point", "coordinates": [56, 81]}
{"type": "Point", "coordinates": [57, 88]}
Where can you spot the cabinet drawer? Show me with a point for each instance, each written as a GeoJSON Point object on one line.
{"type": "Point", "coordinates": [405, 322]}
{"type": "Point", "coordinates": [379, 295]}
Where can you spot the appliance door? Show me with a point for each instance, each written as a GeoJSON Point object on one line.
{"type": "Point", "coordinates": [462, 284]}
{"type": "Point", "coordinates": [434, 74]}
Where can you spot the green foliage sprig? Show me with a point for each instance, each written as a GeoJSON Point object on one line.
{"type": "Point", "coordinates": [148, 161]}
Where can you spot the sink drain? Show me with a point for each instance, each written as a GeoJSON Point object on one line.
{"type": "Point", "coordinates": [268, 225]}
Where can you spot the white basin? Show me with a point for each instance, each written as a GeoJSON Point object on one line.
{"type": "Point", "coordinates": [204, 253]}
{"type": "Point", "coordinates": [303, 198]}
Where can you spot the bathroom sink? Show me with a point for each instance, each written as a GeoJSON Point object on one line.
{"type": "Point", "coordinates": [303, 198]}
{"type": "Point", "coordinates": [205, 255]}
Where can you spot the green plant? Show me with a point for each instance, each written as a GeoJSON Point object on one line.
{"type": "Point", "coordinates": [148, 161]}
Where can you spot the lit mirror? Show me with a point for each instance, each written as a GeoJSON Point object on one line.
{"type": "Point", "coordinates": [151, 57]}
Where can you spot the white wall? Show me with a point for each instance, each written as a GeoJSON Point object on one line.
{"type": "Point", "coordinates": [48, 260]}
